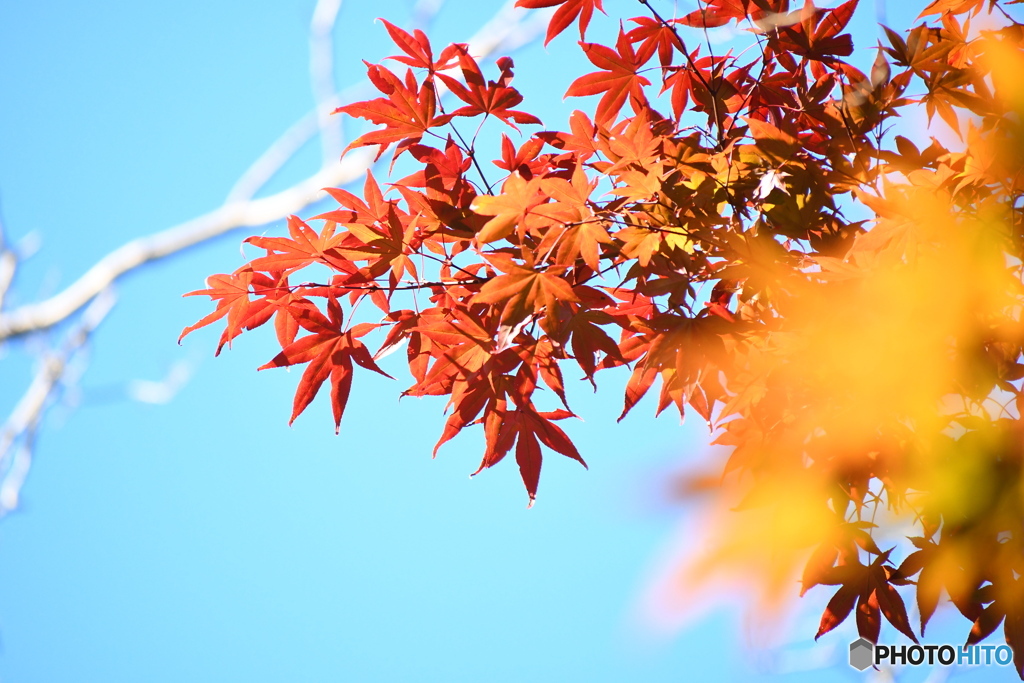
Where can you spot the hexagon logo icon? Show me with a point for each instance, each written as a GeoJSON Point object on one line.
{"type": "Point", "coordinates": [862, 654]}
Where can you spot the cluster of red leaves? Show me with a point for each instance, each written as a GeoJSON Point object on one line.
{"type": "Point", "coordinates": [722, 208]}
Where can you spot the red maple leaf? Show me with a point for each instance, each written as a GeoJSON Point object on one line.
{"type": "Point", "coordinates": [406, 113]}
{"type": "Point", "coordinates": [511, 208]}
{"type": "Point", "coordinates": [525, 426]}
{"type": "Point", "coordinates": [655, 35]}
{"type": "Point", "coordinates": [588, 339]}
{"type": "Point", "coordinates": [442, 171]}
{"type": "Point", "coordinates": [580, 139]}
{"type": "Point", "coordinates": [483, 97]}
{"type": "Point", "coordinates": [721, 12]}
{"type": "Point", "coordinates": [417, 47]}
{"type": "Point", "coordinates": [522, 161]}
{"type": "Point", "coordinates": [231, 292]}
{"type": "Point", "coordinates": [374, 210]}
{"type": "Point", "coordinates": [278, 300]}
{"type": "Point", "coordinates": [329, 352]}
{"type": "Point", "coordinates": [303, 248]}
{"type": "Point", "coordinates": [564, 15]}
{"type": "Point", "coordinates": [814, 33]}
{"type": "Point", "coordinates": [523, 290]}
{"type": "Point", "coordinates": [618, 79]}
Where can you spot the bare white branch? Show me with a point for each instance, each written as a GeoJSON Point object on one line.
{"type": "Point", "coordinates": [8, 264]}
{"type": "Point", "coordinates": [14, 478]}
{"type": "Point", "coordinates": [508, 29]}
{"type": "Point", "coordinates": [18, 431]}
{"type": "Point", "coordinates": [164, 390]}
{"type": "Point", "coordinates": [321, 72]}
{"type": "Point", "coordinates": [319, 120]}
{"type": "Point", "coordinates": [173, 240]}
{"type": "Point", "coordinates": [285, 147]}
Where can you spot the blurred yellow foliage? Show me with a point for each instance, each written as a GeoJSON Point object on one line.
{"type": "Point", "coordinates": [883, 401]}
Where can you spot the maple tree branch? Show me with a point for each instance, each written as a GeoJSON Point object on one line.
{"type": "Point", "coordinates": [689, 60]}
{"type": "Point", "coordinates": [750, 90]}
{"type": "Point", "coordinates": [467, 148]}
{"type": "Point", "coordinates": [1004, 12]}
{"type": "Point", "coordinates": [471, 153]}
{"type": "Point", "coordinates": [685, 51]}
{"type": "Point", "coordinates": [447, 262]}
{"type": "Point", "coordinates": [463, 145]}
{"type": "Point", "coordinates": [380, 287]}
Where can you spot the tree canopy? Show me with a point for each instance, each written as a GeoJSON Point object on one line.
{"type": "Point", "coordinates": [823, 263]}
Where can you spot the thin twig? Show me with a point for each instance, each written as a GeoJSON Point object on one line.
{"type": "Point", "coordinates": [8, 262]}
{"type": "Point", "coordinates": [18, 431]}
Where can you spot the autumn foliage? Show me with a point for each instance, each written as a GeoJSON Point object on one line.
{"type": "Point", "coordinates": [770, 238]}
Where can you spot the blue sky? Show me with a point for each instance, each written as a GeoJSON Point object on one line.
{"type": "Point", "coordinates": [204, 539]}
